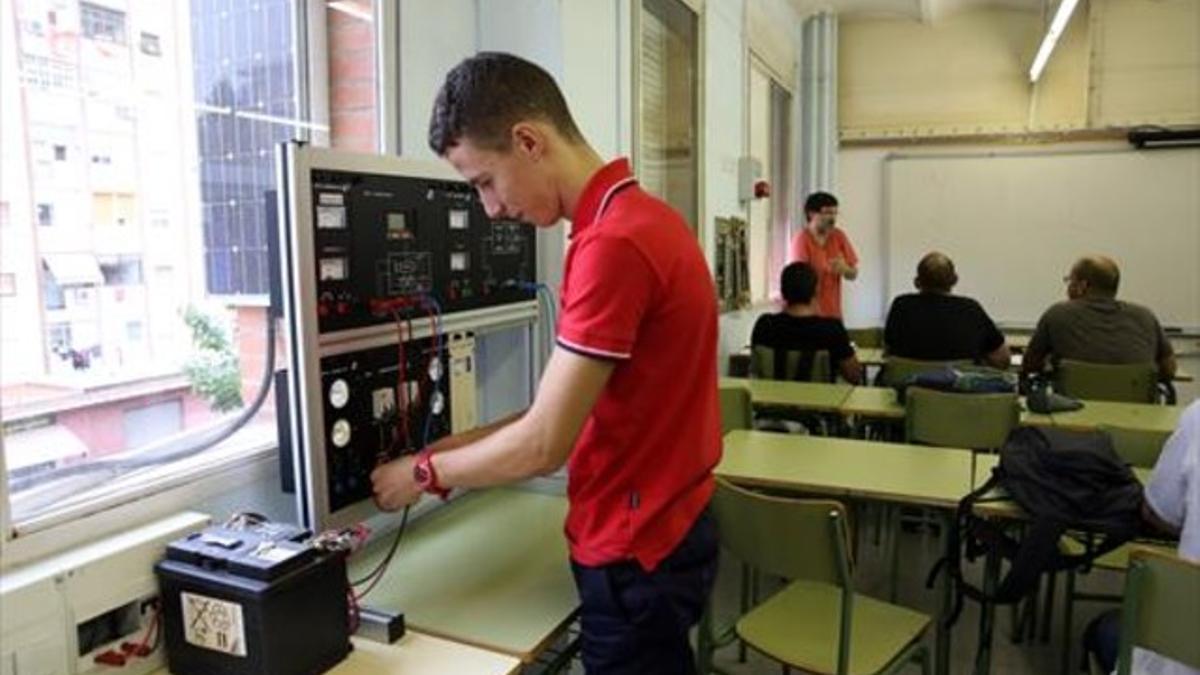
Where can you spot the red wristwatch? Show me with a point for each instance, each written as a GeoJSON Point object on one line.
{"type": "Point", "coordinates": [426, 477]}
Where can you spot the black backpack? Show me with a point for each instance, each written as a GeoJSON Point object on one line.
{"type": "Point", "coordinates": [1066, 482]}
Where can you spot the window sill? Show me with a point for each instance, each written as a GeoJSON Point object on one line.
{"type": "Point", "coordinates": [143, 496]}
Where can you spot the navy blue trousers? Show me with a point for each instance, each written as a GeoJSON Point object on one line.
{"type": "Point", "coordinates": [636, 621]}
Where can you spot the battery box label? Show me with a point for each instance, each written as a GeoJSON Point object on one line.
{"type": "Point", "coordinates": [213, 624]}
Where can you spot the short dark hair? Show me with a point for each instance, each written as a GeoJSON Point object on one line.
{"type": "Point", "coordinates": [817, 201]}
{"type": "Point", "coordinates": [798, 283]}
{"type": "Point", "coordinates": [936, 273]}
{"type": "Point", "coordinates": [486, 94]}
{"type": "Point", "coordinates": [1101, 274]}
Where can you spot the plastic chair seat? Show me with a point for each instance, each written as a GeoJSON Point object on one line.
{"type": "Point", "coordinates": [799, 626]}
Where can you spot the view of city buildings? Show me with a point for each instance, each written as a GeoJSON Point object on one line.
{"type": "Point", "coordinates": [138, 145]}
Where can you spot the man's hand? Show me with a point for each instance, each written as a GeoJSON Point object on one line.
{"type": "Point", "coordinates": [393, 484]}
{"type": "Point", "coordinates": [838, 266]}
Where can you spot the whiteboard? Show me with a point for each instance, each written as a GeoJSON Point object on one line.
{"type": "Point", "coordinates": [1015, 223]}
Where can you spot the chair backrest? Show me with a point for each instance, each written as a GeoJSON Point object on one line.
{"type": "Point", "coordinates": [1139, 447]}
{"type": "Point", "coordinates": [1128, 382]}
{"type": "Point", "coordinates": [897, 369]}
{"type": "Point", "coordinates": [949, 419]}
{"type": "Point", "coordinates": [1161, 608]}
{"type": "Point", "coordinates": [794, 365]}
{"type": "Point", "coordinates": [866, 337]}
{"type": "Point", "coordinates": [736, 409]}
{"type": "Point", "coordinates": [782, 536]}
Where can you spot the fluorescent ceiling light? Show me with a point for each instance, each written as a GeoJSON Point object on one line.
{"type": "Point", "coordinates": [1056, 28]}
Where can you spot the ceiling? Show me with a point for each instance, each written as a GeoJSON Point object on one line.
{"type": "Point", "coordinates": [921, 10]}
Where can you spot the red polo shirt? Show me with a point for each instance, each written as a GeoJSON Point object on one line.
{"type": "Point", "coordinates": [636, 290]}
{"type": "Point", "coordinates": [805, 248]}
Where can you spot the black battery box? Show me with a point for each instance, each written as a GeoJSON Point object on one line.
{"type": "Point", "coordinates": [253, 598]}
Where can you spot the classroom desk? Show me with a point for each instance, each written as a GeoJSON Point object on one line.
{"type": "Point", "coordinates": [1140, 416]}
{"type": "Point", "coordinates": [878, 403]}
{"type": "Point", "coordinates": [490, 570]}
{"type": "Point", "coordinates": [812, 396]}
{"type": "Point", "coordinates": [872, 357]}
{"type": "Point", "coordinates": [882, 403]}
{"type": "Point", "coordinates": [996, 505]}
{"type": "Point", "coordinates": [416, 653]}
{"type": "Point", "coordinates": [1018, 343]}
{"type": "Point", "coordinates": [866, 470]}
{"type": "Point", "coordinates": [846, 467]}
{"type": "Point", "coordinates": [1180, 375]}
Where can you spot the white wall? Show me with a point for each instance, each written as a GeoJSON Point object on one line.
{"type": "Point", "coordinates": [725, 73]}
{"type": "Point", "coordinates": [434, 37]}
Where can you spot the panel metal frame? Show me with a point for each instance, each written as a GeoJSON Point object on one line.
{"type": "Point", "coordinates": [295, 163]}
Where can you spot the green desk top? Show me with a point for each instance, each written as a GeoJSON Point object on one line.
{"type": "Point", "coordinates": [985, 463]}
{"type": "Point", "coordinates": [842, 467]}
{"type": "Point", "coordinates": [490, 569]}
{"type": "Point", "coordinates": [1006, 508]}
{"type": "Point", "coordinates": [882, 403]}
{"type": "Point", "coordinates": [874, 402]}
{"type": "Point", "coordinates": [815, 396]}
{"type": "Point", "coordinates": [1125, 415]}
{"type": "Point", "coordinates": [869, 356]}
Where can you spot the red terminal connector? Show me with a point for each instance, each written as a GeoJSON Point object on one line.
{"type": "Point", "coordinates": [111, 658]}
{"type": "Point", "coordinates": [135, 649]}
{"type": "Point", "coordinates": [385, 306]}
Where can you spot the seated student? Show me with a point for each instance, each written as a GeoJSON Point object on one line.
{"type": "Point", "coordinates": [1092, 325]}
{"type": "Point", "coordinates": [798, 327]}
{"type": "Point", "coordinates": [1172, 506]}
{"type": "Point", "coordinates": [936, 325]}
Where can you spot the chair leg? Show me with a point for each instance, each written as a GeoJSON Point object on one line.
{"type": "Point", "coordinates": [1048, 610]}
{"type": "Point", "coordinates": [1016, 620]}
{"type": "Point", "coordinates": [1032, 609]}
{"type": "Point", "coordinates": [1068, 610]}
{"type": "Point", "coordinates": [893, 552]}
{"type": "Point", "coordinates": [747, 576]}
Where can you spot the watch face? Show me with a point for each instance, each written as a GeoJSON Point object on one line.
{"type": "Point", "coordinates": [420, 474]}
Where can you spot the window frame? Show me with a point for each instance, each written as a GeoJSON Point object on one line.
{"type": "Point", "coordinates": [697, 8]}
{"type": "Point", "coordinates": [237, 462]}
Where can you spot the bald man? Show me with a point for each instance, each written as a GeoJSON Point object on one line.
{"type": "Point", "coordinates": [933, 324]}
{"type": "Point", "coordinates": [1093, 326]}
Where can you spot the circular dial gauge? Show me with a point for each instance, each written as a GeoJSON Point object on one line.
{"type": "Point", "coordinates": [340, 434]}
{"type": "Point", "coordinates": [339, 393]}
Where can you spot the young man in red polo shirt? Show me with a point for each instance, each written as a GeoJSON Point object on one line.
{"type": "Point", "coordinates": [629, 396]}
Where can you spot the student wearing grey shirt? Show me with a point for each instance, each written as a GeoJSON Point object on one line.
{"type": "Point", "coordinates": [1093, 326]}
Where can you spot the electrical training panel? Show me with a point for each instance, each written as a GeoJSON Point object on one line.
{"type": "Point", "coordinates": [389, 268]}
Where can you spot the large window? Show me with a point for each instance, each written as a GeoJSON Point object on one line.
{"type": "Point", "coordinates": [667, 150]}
{"type": "Point", "coordinates": [143, 257]}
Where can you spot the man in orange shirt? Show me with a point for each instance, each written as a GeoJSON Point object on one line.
{"type": "Point", "coordinates": [827, 249]}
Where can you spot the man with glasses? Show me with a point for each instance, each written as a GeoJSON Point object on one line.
{"type": "Point", "coordinates": [827, 248]}
{"type": "Point", "coordinates": [1093, 326]}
